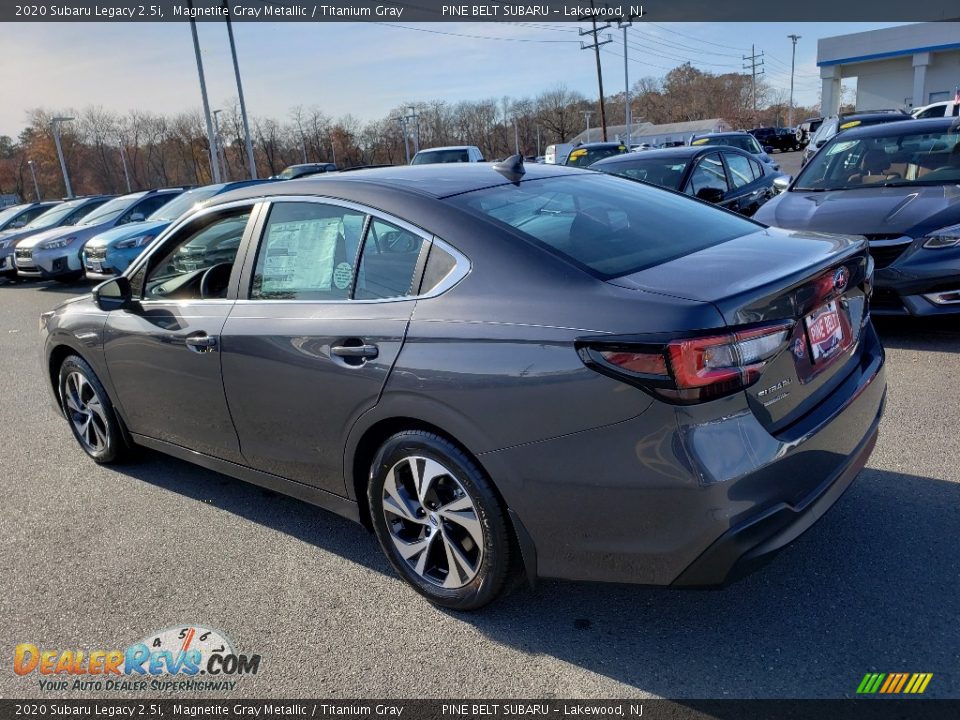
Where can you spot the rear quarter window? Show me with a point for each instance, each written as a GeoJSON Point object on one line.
{"type": "Point", "coordinates": [608, 226]}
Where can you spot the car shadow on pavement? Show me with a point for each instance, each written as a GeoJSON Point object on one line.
{"type": "Point", "coordinates": [940, 334]}
{"type": "Point", "coordinates": [260, 505]}
{"type": "Point", "coordinates": [873, 586]}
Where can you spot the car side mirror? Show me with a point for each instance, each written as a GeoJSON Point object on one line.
{"type": "Point", "coordinates": [819, 143]}
{"type": "Point", "coordinates": [115, 294]}
{"type": "Point", "coordinates": [781, 183]}
{"type": "Point", "coordinates": [768, 148]}
{"type": "Point", "coordinates": [16, 225]}
{"type": "Point", "coordinates": [709, 194]}
{"type": "Point", "coordinates": [137, 217]}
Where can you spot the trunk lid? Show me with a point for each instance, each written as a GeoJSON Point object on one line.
{"type": "Point", "coordinates": [820, 282]}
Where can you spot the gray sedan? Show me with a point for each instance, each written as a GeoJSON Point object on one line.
{"type": "Point", "coordinates": [493, 368]}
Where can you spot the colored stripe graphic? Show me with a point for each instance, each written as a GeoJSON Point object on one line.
{"type": "Point", "coordinates": [894, 683]}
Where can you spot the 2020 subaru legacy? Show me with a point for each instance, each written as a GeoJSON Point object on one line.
{"type": "Point", "coordinates": [493, 366]}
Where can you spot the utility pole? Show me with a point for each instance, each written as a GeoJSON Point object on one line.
{"type": "Point", "coordinates": [251, 160]}
{"type": "Point", "coordinates": [55, 126]}
{"type": "Point", "coordinates": [214, 165]}
{"type": "Point", "coordinates": [793, 63]}
{"type": "Point", "coordinates": [36, 185]}
{"type": "Point", "coordinates": [751, 63]}
{"type": "Point", "coordinates": [538, 141]}
{"type": "Point", "coordinates": [516, 135]}
{"type": "Point", "coordinates": [587, 114]}
{"type": "Point", "coordinates": [595, 46]}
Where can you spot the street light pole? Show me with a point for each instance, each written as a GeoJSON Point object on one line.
{"type": "Point", "coordinates": [221, 152]}
{"type": "Point", "coordinates": [243, 106]}
{"type": "Point", "coordinates": [793, 62]}
{"type": "Point", "coordinates": [123, 159]}
{"type": "Point", "coordinates": [55, 126]}
{"type": "Point", "coordinates": [587, 114]}
{"type": "Point", "coordinates": [214, 165]}
{"type": "Point", "coordinates": [36, 185]}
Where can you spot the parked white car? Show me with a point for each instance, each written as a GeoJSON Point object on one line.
{"type": "Point", "coordinates": [947, 108]}
{"type": "Point", "coordinates": [450, 154]}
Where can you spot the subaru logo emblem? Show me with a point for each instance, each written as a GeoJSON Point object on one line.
{"type": "Point", "coordinates": [840, 279]}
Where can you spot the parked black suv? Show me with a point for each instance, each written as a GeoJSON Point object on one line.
{"type": "Point", "coordinates": [778, 138]}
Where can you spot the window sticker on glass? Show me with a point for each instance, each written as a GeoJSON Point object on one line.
{"type": "Point", "coordinates": [299, 255]}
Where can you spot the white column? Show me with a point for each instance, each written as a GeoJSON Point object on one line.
{"type": "Point", "coordinates": [830, 93]}
{"type": "Point", "coordinates": [920, 63]}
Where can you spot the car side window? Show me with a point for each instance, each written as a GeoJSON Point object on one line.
{"type": "Point", "coordinates": [389, 262]}
{"type": "Point", "coordinates": [757, 169]}
{"type": "Point", "coordinates": [708, 175]}
{"type": "Point", "coordinates": [739, 167]}
{"type": "Point", "coordinates": [308, 252]}
{"type": "Point", "coordinates": [935, 111]}
{"type": "Point", "coordinates": [197, 263]}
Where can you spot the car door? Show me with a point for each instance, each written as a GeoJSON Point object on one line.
{"type": "Point", "coordinates": [747, 192]}
{"type": "Point", "coordinates": [708, 181]}
{"type": "Point", "coordinates": [324, 308]}
{"type": "Point", "coordinates": [164, 354]}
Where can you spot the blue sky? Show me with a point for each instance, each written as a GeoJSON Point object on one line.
{"type": "Point", "coordinates": [365, 69]}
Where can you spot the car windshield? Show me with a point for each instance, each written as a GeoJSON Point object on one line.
{"type": "Point", "coordinates": [744, 142]}
{"type": "Point", "coordinates": [109, 211]}
{"type": "Point", "coordinates": [889, 160]}
{"type": "Point", "coordinates": [10, 212]}
{"type": "Point", "coordinates": [54, 215]}
{"type": "Point", "coordinates": [666, 172]}
{"type": "Point", "coordinates": [605, 224]}
{"type": "Point", "coordinates": [177, 207]}
{"type": "Point", "coordinates": [428, 157]}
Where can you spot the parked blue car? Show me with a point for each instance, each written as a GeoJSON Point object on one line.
{"type": "Point", "coordinates": [111, 252]}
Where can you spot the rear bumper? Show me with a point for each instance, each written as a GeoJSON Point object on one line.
{"type": "Point", "coordinates": [688, 495]}
{"type": "Point", "coordinates": [744, 548]}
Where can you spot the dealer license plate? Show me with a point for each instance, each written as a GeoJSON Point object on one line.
{"type": "Point", "coordinates": [825, 331]}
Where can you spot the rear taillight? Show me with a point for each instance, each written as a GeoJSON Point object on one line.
{"type": "Point", "coordinates": [694, 369]}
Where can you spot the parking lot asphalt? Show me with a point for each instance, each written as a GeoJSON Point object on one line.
{"type": "Point", "coordinates": [97, 558]}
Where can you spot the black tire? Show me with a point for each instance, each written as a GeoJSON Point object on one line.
{"type": "Point", "coordinates": [103, 440]}
{"type": "Point", "coordinates": [493, 562]}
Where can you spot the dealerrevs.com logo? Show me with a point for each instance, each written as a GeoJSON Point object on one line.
{"type": "Point", "coordinates": [186, 658]}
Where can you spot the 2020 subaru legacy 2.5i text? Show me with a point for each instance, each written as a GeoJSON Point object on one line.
{"type": "Point", "coordinates": [592, 378]}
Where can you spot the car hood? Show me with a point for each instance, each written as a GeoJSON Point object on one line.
{"type": "Point", "coordinates": [12, 237]}
{"type": "Point", "coordinates": [912, 211]}
{"type": "Point", "coordinates": [51, 234]}
{"type": "Point", "coordinates": [119, 234]}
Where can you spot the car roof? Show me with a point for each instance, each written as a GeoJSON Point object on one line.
{"type": "Point", "coordinates": [603, 144]}
{"type": "Point", "coordinates": [727, 133]}
{"type": "Point", "coordinates": [891, 115]}
{"type": "Point", "coordinates": [684, 152]}
{"type": "Point", "coordinates": [434, 180]}
{"type": "Point", "coordinates": [909, 126]}
{"type": "Point", "coordinates": [446, 147]}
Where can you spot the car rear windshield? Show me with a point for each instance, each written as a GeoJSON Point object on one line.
{"type": "Point", "coordinates": [890, 160]}
{"type": "Point", "coordinates": [666, 172]}
{"type": "Point", "coordinates": [606, 225]}
{"type": "Point", "coordinates": [744, 142]}
{"type": "Point", "coordinates": [441, 156]}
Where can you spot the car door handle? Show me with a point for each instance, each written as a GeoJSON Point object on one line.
{"type": "Point", "coordinates": [201, 343]}
{"type": "Point", "coordinates": [355, 351]}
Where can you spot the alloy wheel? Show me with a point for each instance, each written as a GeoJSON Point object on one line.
{"type": "Point", "coordinates": [433, 522]}
{"type": "Point", "coordinates": [86, 412]}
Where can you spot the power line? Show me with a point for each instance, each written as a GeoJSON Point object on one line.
{"type": "Point", "coordinates": [696, 39]}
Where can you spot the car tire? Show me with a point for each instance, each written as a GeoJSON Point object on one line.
{"type": "Point", "coordinates": [439, 521]}
{"type": "Point", "coordinates": [89, 412]}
